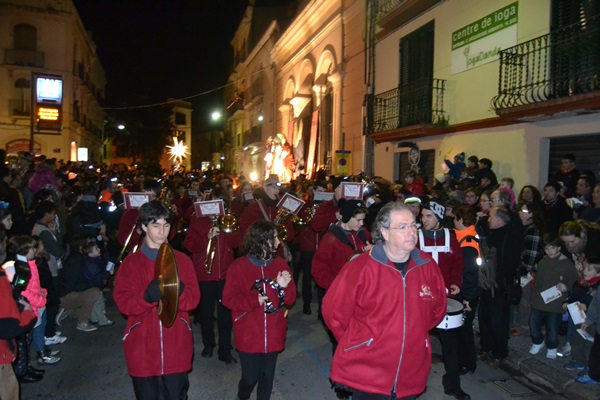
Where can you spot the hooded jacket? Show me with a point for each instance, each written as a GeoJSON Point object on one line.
{"type": "Point", "coordinates": [381, 319]}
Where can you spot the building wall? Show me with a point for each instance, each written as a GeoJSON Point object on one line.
{"type": "Point", "coordinates": [62, 38]}
{"type": "Point", "coordinates": [520, 150]}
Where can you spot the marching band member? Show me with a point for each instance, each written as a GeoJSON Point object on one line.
{"type": "Point", "coordinates": [443, 247]}
{"type": "Point", "coordinates": [200, 231]}
{"type": "Point", "coordinates": [158, 358]}
{"type": "Point", "coordinates": [258, 286]}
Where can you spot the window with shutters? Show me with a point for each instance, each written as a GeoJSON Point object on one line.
{"type": "Point", "coordinates": [416, 76]}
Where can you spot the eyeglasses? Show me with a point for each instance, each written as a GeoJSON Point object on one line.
{"type": "Point", "coordinates": [525, 211]}
{"type": "Point", "coordinates": [496, 199]}
{"type": "Point", "coordinates": [404, 228]}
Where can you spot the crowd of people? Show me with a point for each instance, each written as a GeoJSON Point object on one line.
{"type": "Point", "coordinates": [387, 268]}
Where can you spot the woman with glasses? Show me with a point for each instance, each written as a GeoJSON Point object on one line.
{"type": "Point", "coordinates": [485, 205]}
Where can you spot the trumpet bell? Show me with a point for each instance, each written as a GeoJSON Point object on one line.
{"type": "Point", "coordinates": [165, 270]}
{"type": "Point", "coordinates": [228, 223]}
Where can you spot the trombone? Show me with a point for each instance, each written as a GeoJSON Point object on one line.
{"type": "Point", "coordinates": [227, 223]}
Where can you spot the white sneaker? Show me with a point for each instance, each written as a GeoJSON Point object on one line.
{"type": "Point", "coordinates": [551, 353]}
{"type": "Point", "coordinates": [565, 351]}
{"type": "Point", "coordinates": [535, 348]}
{"type": "Point", "coordinates": [48, 341]}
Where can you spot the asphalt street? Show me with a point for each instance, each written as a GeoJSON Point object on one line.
{"type": "Point", "coordinates": [93, 368]}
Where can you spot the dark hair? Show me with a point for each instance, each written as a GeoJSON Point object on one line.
{"type": "Point", "coordinates": [554, 185]}
{"type": "Point", "coordinates": [88, 247]}
{"type": "Point", "coordinates": [593, 261]}
{"type": "Point", "coordinates": [551, 239]}
{"type": "Point", "coordinates": [568, 156]}
{"type": "Point", "coordinates": [260, 240]}
{"type": "Point", "coordinates": [486, 161]}
{"type": "Point", "coordinates": [577, 228]}
{"type": "Point", "coordinates": [20, 245]}
{"type": "Point", "coordinates": [383, 219]}
{"type": "Point", "coordinates": [4, 212]}
{"type": "Point", "coordinates": [152, 211]}
{"type": "Point", "coordinates": [466, 213]}
{"type": "Point", "coordinates": [473, 159]}
{"type": "Point", "coordinates": [537, 196]}
{"type": "Point", "coordinates": [79, 241]}
{"type": "Point", "coordinates": [42, 208]}
{"type": "Point", "coordinates": [151, 184]}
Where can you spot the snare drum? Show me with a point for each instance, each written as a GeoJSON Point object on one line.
{"type": "Point", "coordinates": [454, 317]}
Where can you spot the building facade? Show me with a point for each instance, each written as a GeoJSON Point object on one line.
{"type": "Point", "coordinates": [512, 81]}
{"type": "Point", "coordinates": [309, 94]}
{"type": "Point", "coordinates": [47, 38]}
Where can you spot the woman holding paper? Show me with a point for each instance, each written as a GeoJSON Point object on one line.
{"type": "Point", "coordinates": [555, 274]}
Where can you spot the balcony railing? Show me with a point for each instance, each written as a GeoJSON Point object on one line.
{"type": "Point", "coordinates": [416, 103]}
{"type": "Point", "coordinates": [30, 58]}
{"type": "Point", "coordinates": [384, 7]}
{"type": "Point", "coordinates": [19, 107]}
{"type": "Point", "coordinates": [563, 63]}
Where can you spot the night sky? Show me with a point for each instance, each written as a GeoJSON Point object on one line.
{"type": "Point", "coordinates": [152, 50]}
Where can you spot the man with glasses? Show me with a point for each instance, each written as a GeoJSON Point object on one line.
{"type": "Point", "coordinates": [380, 309]}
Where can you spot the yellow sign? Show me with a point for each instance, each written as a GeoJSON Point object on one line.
{"type": "Point", "coordinates": [48, 114]}
{"type": "Point", "coordinates": [342, 162]}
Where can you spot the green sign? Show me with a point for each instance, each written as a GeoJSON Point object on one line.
{"type": "Point", "coordinates": [488, 25]}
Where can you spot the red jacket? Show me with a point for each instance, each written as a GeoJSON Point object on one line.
{"type": "Point", "coordinates": [252, 214]}
{"type": "Point", "coordinates": [325, 216]}
{"type": "Point", "coordinates": [12, 321]}
{"type": "Point", "coordinates": [307, 238]}
{"type": "Point", "coordinates": [196, 242]}
{"type": "Point", "coordinates": [381, 320]}
{"type": "Point", "coordinates": [150, 348]}
{"type": "Point", "coordinates": [255, 331]}
{"type": "Point", "coordinates": [333, 254]}
{"type": "Point", "coordinates": [451, 263]}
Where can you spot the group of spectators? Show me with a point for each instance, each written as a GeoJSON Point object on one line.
{"type": "Point", "coordinates": [67, 226]}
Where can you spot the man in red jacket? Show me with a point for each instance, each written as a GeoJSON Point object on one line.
{"type": "Point", "coordinates": [380, 309]}
{"type": "Point", "coordinates": [157, 357]}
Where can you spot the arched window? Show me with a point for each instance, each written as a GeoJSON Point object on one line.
{"type": "Point", "coordinates": [25, 37]}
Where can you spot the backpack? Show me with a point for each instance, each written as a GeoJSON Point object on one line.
{"type": "Point", "coordinates": [487, 262]}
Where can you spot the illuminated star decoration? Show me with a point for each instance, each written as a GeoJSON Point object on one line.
{"type": "Point", "coordinates": [178, 151]}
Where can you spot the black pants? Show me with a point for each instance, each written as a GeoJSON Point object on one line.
{"type": "Point", "coordinates": [594, 360]}
{"type": "Point", "coordinates": [257, 368]}
{"type": "Point", "coordinates": [358, 395]}
{"type": "Point", "coordinates": [22, 363]}
{"type": "Point", "coordinates": [212, 294]}
{"type": "Point", "coordinates": [305, 265]}
{"type": "Point", "coordinates": [467, 356]}
{"type": "Point", "coordinates": [172, 386]}
{"type": "Point", "coordinates": [494, 323]}
{"type": "Point", "coordinates": [449, 342]}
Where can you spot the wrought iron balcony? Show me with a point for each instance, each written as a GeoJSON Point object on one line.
{"type": "Point", "coordinates": [416, 103]}
{"type": "Point", "coordinates": [19, 107]}
{"type": "Point", "coordinates": [564, 63]}
{"type": "Point", "coordinates": [30, 58]}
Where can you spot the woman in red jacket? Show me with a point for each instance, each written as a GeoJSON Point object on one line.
{"type": "Point", "coordinates": [258, 285]}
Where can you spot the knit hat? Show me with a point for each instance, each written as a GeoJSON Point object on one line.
{"type": "Point", "coordinates": [460, 157]}
{"type": "Point", "coordinates": [348, 208]}
{"type": "Point", "coordinates": [437, 207]}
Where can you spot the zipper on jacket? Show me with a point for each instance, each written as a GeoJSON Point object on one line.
{"type": "Point", "coordinates": [403, 329]}
{"type": "Point", "coordinates": [162, 349]}
{"type": "Point", "coordinates": [130, 329]}
{"type": "Point", "coordinates": [365, 343]}
{"type": "Point", "coordinates": [262, 271]}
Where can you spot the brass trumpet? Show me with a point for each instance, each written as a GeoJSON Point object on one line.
{"type": "Point", "coordinates": [227, 223]}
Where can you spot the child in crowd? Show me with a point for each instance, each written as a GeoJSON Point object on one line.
{"type": "Point", "coordinates": [96, 275]}
{"type": "Point", "coordinates": [413, 183]}
{"type": "Point", "coordinates": [554, 270]}
{"type": "Point", "coordinates": [582, 293]}
{"type": "Point", "coordinates": [95, 269]}
{"type": "Point", "coordinates": [507, 184]}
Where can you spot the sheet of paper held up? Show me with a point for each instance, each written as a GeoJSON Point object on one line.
{"type": "Point", "coordinates": [551, 294]}
{"type": "Point", "coordinates": [577, 314]}
{"type": "Point", "coordinates": [585, 335]}
{"type": "Point", "coordinates": [525, 279]}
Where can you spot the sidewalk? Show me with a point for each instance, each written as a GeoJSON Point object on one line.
{"type": "Point", "coordinates": [546, 373]}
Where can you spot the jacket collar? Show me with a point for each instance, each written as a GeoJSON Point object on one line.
{"type": "Point", "coordinates": [379, 255]}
